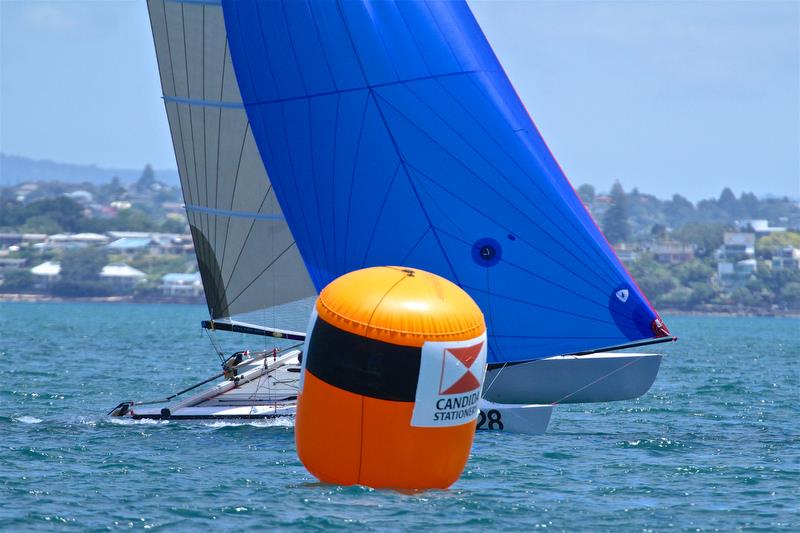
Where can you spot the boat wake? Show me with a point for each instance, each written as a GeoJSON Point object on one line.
{"type": "Point", "coordinates": [283, 422]}
{"type": "Point", "coordinates": [27, 419]}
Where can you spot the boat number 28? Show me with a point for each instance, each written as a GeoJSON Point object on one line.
{"type": "Point", "coordinates": [490, 420]}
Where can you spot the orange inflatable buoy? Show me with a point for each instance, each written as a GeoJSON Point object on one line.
{"type": "Point", "coordinates": [392, 375]}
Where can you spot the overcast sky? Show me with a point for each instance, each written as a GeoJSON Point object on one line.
{"type": "Point", "coordinates": [668, 97]}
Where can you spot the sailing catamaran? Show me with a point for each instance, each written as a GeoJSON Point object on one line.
{"type": "Point", "coordinates": [316, 138]}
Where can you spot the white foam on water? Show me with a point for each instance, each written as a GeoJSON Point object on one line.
{"type": "Point", "coordinates": [28, 419]}
{"type": "Point", "coordinates": [125, 421]}
{"type": "Point", "coordinates": [284, 421]}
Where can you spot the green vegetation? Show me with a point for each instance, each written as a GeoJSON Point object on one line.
{"type": "Point", "coordinates": [615, 221]}
{"type": "Point", "coordinates": [637, 223]}
{"type": "Point", "coordinates": [80, 274]}
{"type": "Point", "coordinates": [693, 284]}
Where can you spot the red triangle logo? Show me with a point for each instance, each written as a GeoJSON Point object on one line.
{"type": "Point", "coordinates": [467, 356]}
{"type": "Point", "coordinates": [467, 383]}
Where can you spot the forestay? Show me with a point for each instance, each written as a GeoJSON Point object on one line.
{"type": "Point", "coordinates": [247, 256]}
{"type": "Point", "coordinates": [392, 136]}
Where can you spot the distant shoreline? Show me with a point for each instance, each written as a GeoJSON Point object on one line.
{"type": "Point", "coordinates": [126, 299]}
{"type": "Point", "coordinates": [32, 297]}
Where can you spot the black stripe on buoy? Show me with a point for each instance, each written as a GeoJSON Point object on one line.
{"type": "Point", "coordinates": [363, 366]}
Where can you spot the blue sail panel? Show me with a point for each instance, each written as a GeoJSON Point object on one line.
{"type": "Point", "coordinates": [392, 136]}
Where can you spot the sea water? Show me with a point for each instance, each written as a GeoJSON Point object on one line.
{"type": "Point", "coordinates": [714, 445]}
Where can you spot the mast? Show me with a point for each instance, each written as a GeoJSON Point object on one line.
{"type": "Point", "coordinates": [246, 254]}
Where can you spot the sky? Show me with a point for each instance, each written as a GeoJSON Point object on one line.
{"type": "Point", "coordinates": [669, 97]}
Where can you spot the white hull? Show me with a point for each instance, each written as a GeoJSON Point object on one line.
{"type": "Point", "coordinates": [509, 418]}
{"type": "Point", "coordinates": [270, 391]}
{"type": "Point", "coordinates": [266, 388]}
{"type": "Point", "coordinates": [600, 377]}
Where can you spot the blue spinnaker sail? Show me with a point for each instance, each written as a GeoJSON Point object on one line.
{"type": "Point", "coordinates": [392, 136]}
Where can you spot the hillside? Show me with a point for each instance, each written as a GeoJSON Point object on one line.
{"type": "Point", "coordinates": [16, 169]}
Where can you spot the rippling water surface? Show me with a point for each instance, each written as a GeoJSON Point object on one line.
{"type": "Point", "coordinates": [715, 444]}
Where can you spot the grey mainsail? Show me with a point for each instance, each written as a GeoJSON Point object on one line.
{"type": "Point", "coordinates": [246, 253]}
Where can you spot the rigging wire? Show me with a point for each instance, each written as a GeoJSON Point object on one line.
{"type": "Point", "coordinates": [215, 345]}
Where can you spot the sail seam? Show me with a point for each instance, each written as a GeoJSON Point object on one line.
{"type": "Point", "coordinates": [233, 197]}
{"type": "Point", "coordinates": [197, 2]}
{"type": "Point", "coordinates": [297, 190]}
{"type": "Point", "coordinates": [244, 244]}
{"type": "Point", "coordinates": [217, 201]}
{"type": "Point", "coordinates": [549, 308]}
{"type": "Point", "coordinates": [546, 280]}
{"type": "Point", "coordinates": [219, 135]}
{"type": "Point", "coordinates": [352, 179]}
{"type": "Point", "coordinates": [394, 144]}
{"type": "Point", "coordinates": [205, 146]}
{"type": "Point", "coordinates": [312, 161]}
{"type": "Point", "coordinates": [366, 86]}
{"type": "Point", "coordinates": [380, 214]}
{"type": "Point", "coordinates": [592, 245]}
{"type": "Point", "coordinates": [291, 45]}
{"type": "Point", "coordinates": [486, 184]}
{"type": "Point", "coordinates": [413, 38]}
{"type": "Point", "coordinates": [261, 273]}
{"type": "Point", "coordinates": [485, 215]}
{"type": "Point", "coordinates": [321, 47]}
{"type": "Point", "coordinates": [191, 118]}
{"type": "Point", "coordinates": [232, 213]}
{"type": "Point", "coordinates": [416, 244]}
{"type": "Point", "coordinates": [507, 179]}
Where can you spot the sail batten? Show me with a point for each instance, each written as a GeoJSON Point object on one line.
{"type": "Point", "coordinates": [246, 254]}
{"type": "Point", "coordinates": [392, 135]}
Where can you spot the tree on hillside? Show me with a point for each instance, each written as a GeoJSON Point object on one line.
{"type": "Point", "coordinates": [615, 221]}
{"type": "Point", "coordinates": [83, 264]}
{"type": "Point", "coordinates": [80, 274]}
{"type": "Point", "coordinates": [706, 237]}
{"type": "Point", "coordinates": [658, 231]}
{"type": "Point", "coordinates": [65, 212]}
{"type": "Point", "coordinates": [41, 224]}
{"type": "Point", "coordinates": [727, 201]}
{"type": "Point", "coordinates": [771, 244]}
{"type": "Point", "coordinates": [586, 193]}
{"type": "Point", "coordinates": [748, 205]}
{"type": "Point", "coordinates": [790, 296]}
{"type": "Point", "coordinates": [147, 179]}
{"type": "Point", "coordinates": [678, 211]}
{"type": "Point", "coordinates": [132, 220]}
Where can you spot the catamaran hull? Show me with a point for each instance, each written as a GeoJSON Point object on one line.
{"type": "Point", "coordinates": [267, 389]}
{"type": "Point", "coordinates": [600, 377]}
{"type": "Point", "coordinates": [255, 412]}
{"type": "Point", "coordinates": [527, 419]}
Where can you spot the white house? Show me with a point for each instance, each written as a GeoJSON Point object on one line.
{"type": "Point", "coordinates": [47, 272]}
{"type": "Point", "coordinates": [122, 276]}
{"type": "Point", "coordinates": [175, 284]}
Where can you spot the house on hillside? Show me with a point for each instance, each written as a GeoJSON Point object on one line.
{"type": "Point", "coordinates": [736, 258]}
{"type": "Point", "coordinates": [175, 284]}
{"type": "Point", "coordinates": [72, 240]}
{"type": "Point", "coordinates": [46, 273]}
{"type": "Point", "coordinates": [130, 245]}
{"type": "Point", "coordinates": [760, 226]}
{"type": "Point", "coordinates": [627, 253]}
{"type": "Point", "coordinates": [672, 252]}
{"type": "Point", "coordinates": [737, 246]}
{"type": "Point", "coordinates": [787, 258]}
{"type": "Point", "coordinates": [122, 276]}
{"type": "Point", "coordinates": [11, 263]}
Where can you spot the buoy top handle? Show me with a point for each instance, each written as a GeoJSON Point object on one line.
{"type": "Point", "coordinates": [400, 305]}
